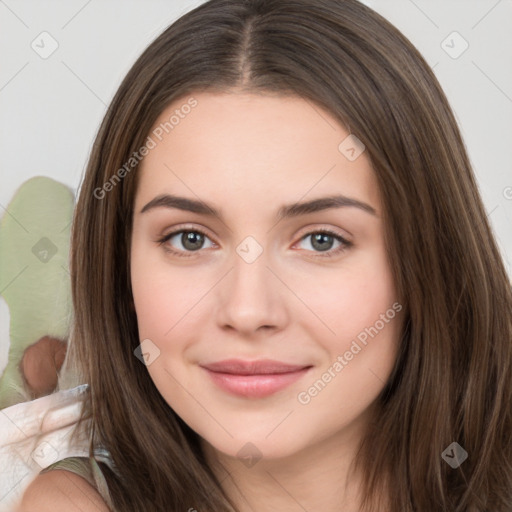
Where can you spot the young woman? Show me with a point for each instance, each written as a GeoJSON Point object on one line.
{"type": "Point", "coordinates": [287, 294]}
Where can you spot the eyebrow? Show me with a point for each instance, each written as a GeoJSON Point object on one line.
{"type": "Point", "coordinates": [285, 212]}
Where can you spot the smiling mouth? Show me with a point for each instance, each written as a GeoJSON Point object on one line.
{"type": "Point", "coordinates": [255, 385]}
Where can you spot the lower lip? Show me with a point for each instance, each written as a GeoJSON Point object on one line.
{"type": "Point", "coordinates": [255, 386]}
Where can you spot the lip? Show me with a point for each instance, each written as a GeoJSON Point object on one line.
{"type": "Point", "coordinates": [261, 367]}
{"type": "Point", "coordinates": [254, 379]}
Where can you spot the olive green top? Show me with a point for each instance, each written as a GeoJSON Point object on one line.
{"type": "Point", "coordinates": [88, 468]}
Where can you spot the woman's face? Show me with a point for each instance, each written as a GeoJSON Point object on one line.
{"type": "Point", "coordinates": [255, 277]}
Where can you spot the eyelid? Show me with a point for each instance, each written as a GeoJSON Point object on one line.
{"type": "Point", "coordinates": [303, 232]}
{"type": "Point", "coordinates": [345, 241]}
{"type": "Point", "coordinates": [187, 227]}
{"type": "Point", "coordinates": [315, 228]}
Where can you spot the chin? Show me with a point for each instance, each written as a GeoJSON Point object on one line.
{"type": "Point", "coordinates": [252, 450]}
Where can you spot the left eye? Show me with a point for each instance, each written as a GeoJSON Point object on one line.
{"type": "Point", "coordinates": [322, 241]}
{"type": "Point", "coordinates": [193, 240]}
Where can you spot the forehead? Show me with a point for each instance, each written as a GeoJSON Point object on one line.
{"type": "Point", "coordinates": [232, 148]}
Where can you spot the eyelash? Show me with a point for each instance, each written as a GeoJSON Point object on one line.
{"type": "Point", "coordinates": [345, 244]}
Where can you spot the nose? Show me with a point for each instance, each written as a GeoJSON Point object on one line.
{"type": "Point", "coordinates": [251, 298]}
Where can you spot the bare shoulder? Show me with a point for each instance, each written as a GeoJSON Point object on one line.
{"type": "Point", "coordinates": [61, 491]}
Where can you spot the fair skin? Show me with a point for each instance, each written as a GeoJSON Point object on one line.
{"type": "Point", "coordinates": [61, 491]}
{"type": "Point", "coordinates": [247, 155]}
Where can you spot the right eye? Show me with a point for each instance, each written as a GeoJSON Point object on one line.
{"type": "Point", "coordinates": [191, 240]}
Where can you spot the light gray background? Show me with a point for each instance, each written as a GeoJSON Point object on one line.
{"type": "Point", "coordinates": [51, 108]}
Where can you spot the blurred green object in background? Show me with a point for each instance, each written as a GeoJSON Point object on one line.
{"type": "Point", "coordinates": [34, 274]}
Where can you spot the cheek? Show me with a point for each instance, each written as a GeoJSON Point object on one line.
{"type": "Point", "coordinates": [370, 332]}
{"type": "Point", "coordinates": [164, 300]}
{"type": "Point", "coordinates": [362, 310]}
{"type": "Point", "coordinates": [352, 298]}
{"type": "Point", "coordinates": [162, 295]}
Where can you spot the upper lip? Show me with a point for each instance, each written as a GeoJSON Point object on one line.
{"type": "Point", "coordinates": [260, 367]}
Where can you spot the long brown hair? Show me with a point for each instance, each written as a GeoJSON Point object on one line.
{"type": "Point", "coordinates": [452, 381]}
